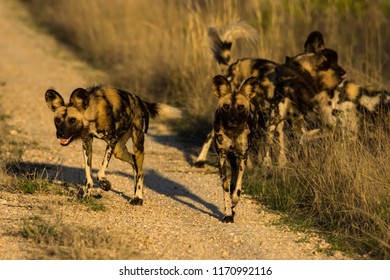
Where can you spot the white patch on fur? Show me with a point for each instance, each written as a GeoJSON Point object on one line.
{"type": "Point", "coordinates": [370, 103]}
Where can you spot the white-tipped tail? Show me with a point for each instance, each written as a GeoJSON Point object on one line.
{"type": "Point", "coordinates": [163, 111]}
{"type": "Point", "coordinates": [167, 112]}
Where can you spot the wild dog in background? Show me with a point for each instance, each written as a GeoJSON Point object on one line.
{"type": "Point", "coordinates": [299, 81]}
{"type": "Point", "coordinates": [350, 105]}
{"type": "Point", "coordinates": [238, 71]}
{"type": "Point", "coordinates": [234, 127]}
{"type": "Point", "coordinates": [112, 115]}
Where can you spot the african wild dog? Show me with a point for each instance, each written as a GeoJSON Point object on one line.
{"type": "Point", "coordinates": [234, 126]}
{"type": "Point", "coordinates": [284, 92]}
{"type": "Point", "coordinates": [236, 73]}
{"type": "Point", "coordinates": [299, 81]}
{"type": "Point", "coordinates": [112, 115]}
{"type": "Point", "coordinates": [338, 102]}
{"type": "Point", "coordinates": [349, 105]}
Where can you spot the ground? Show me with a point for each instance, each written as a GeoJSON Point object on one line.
{"type": "Point", "coordinates": [181, 216]}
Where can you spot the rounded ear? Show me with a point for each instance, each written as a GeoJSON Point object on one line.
{"type": "Point", "coordinates": [314, 42]}
{"type": "Point", "coordinates": [53, 100]}
{"type": "Point", "coordinates": [80, 98]}
{"type": "Point", "coordinates": [331, 56]}
{"type": "Point", "coordinates": [250, 87]}
{"type": "Point", "coordinates": [221, 86]}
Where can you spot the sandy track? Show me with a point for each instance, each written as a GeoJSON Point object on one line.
{"type": "Point", "coordinates": [181, 215]}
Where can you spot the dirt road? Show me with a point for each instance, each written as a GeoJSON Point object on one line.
{"type": "Point", "coordinates": [181, 216]}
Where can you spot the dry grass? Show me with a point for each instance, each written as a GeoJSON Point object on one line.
{"type": "Point", "coordinates": [159, 50]}
{"type": "Point", "coordinates": [53, 239]}
{"type": "Point", "coordinates": [342, 187]}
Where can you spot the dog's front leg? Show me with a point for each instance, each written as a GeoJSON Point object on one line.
{"type": "Point", "coordinates": [87, 153]}
{"type": "Point", "coordinates": [226, 188]}
{"type": "Point", "coordinates": [102, 180]}
{"type": "Point", "coordinates": [237, 190]}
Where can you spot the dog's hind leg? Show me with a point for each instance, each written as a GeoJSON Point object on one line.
{"type": "Point", "coordinates": [201, 160]}
{"type": "Point", "coordinates": [138, 138]}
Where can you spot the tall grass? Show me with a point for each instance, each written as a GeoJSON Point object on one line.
{"type": "Point", "coordinates": [159, 50]}
{"type": "Point", "coordinates": [339, 185]}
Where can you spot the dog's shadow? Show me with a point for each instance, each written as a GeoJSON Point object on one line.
{"type": "Point", "coordinates": [75, 176]}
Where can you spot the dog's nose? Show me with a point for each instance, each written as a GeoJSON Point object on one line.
{"type": "Point", "coordinates": [60, 133]}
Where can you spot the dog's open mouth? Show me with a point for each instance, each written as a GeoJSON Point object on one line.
{"type": "Point", "coordinates": [66, 141]}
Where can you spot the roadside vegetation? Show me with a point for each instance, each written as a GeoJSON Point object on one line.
{"type": "Point", "coordinates": [160, 51]}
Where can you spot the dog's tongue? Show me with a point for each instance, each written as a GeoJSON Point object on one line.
{"type": "Point", "coordinates": [64, 141]}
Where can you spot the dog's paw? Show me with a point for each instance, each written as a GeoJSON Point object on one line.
{"type": "Point", "coordinates": [200, 164]}
{"type": "Point", "coordinates": [137, 201]}
{"type": "Point", "coordinates": [104, 184]}
{"type": "Point", "coordinates": [84, 193]}
{"type": "Point", "coordinates": [228, 219]}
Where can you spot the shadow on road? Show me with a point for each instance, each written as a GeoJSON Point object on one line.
{"type": "Point", "coordinates": [75, 176]}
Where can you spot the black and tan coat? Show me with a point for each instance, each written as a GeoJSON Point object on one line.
{"type": "Point", "coordinates": [238, 71]}
{"type": "Point", "coordinates": [112, 115]}
{"type": "Point", "coordinates": [234, 127]}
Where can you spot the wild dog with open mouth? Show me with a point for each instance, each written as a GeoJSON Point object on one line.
{"type": "Point", "coordinates": [112, 115]}
{"type": "Point", "coordinates": [234, 126]}
{"type": "Point", "coordinates": [237, 72]}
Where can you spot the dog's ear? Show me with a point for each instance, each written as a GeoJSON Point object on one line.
{"type": "Point", "coordinates": [314, 42]}
{"type": "Point", "coordinates": [221, 86]}
{"type": "Point", "coordinates": [80, 99]}
{"type": "Point", "coordinates": [331, 56]}
{"type": "Point", "coordinates": [249, 87]}
{"type": "Point", "coordinates": [53, 99]}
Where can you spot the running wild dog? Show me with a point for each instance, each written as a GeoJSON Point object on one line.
{"type": "Point", "coordinates": [236, 72]}
{"type": "Point", "coordinates": [112, 115]}
{"type": "Point", "coordinates": [234, 126]}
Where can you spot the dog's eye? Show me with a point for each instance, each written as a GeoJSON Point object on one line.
{"type": "Point", "coordinates": [226, 106]}
{"type": "Point", "coordinates": [57, 120]}
{"type": "Point", "coordinates": [240, 107]}
{"type": "Point", "coordinates": [71, 120]}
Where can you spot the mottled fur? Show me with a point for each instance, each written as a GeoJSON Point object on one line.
{"type": "Point", "coordinates": [112, 115]}
{"type": "Point", "coordinates": [285, 92]}
{"type": "Point", "coordinates": [234, 126]}
{"type": "Point", "coordinates": [237, 72]}
{"type": "Point", "coordinates": [349, 105]}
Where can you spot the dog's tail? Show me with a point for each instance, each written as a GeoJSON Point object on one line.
{"type": "Point", "coordinates": [163, 111]}
{"type": "Point", "coordinates": [221, 45]}
{"type": "Point", "coordinates": [159, 110]}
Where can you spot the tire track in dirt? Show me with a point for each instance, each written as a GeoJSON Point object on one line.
{"type": "Point", "coordinates": [183, 205]}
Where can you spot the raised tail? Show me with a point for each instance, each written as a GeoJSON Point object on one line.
{"type": "Point", "coordinates": [221, 45]}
